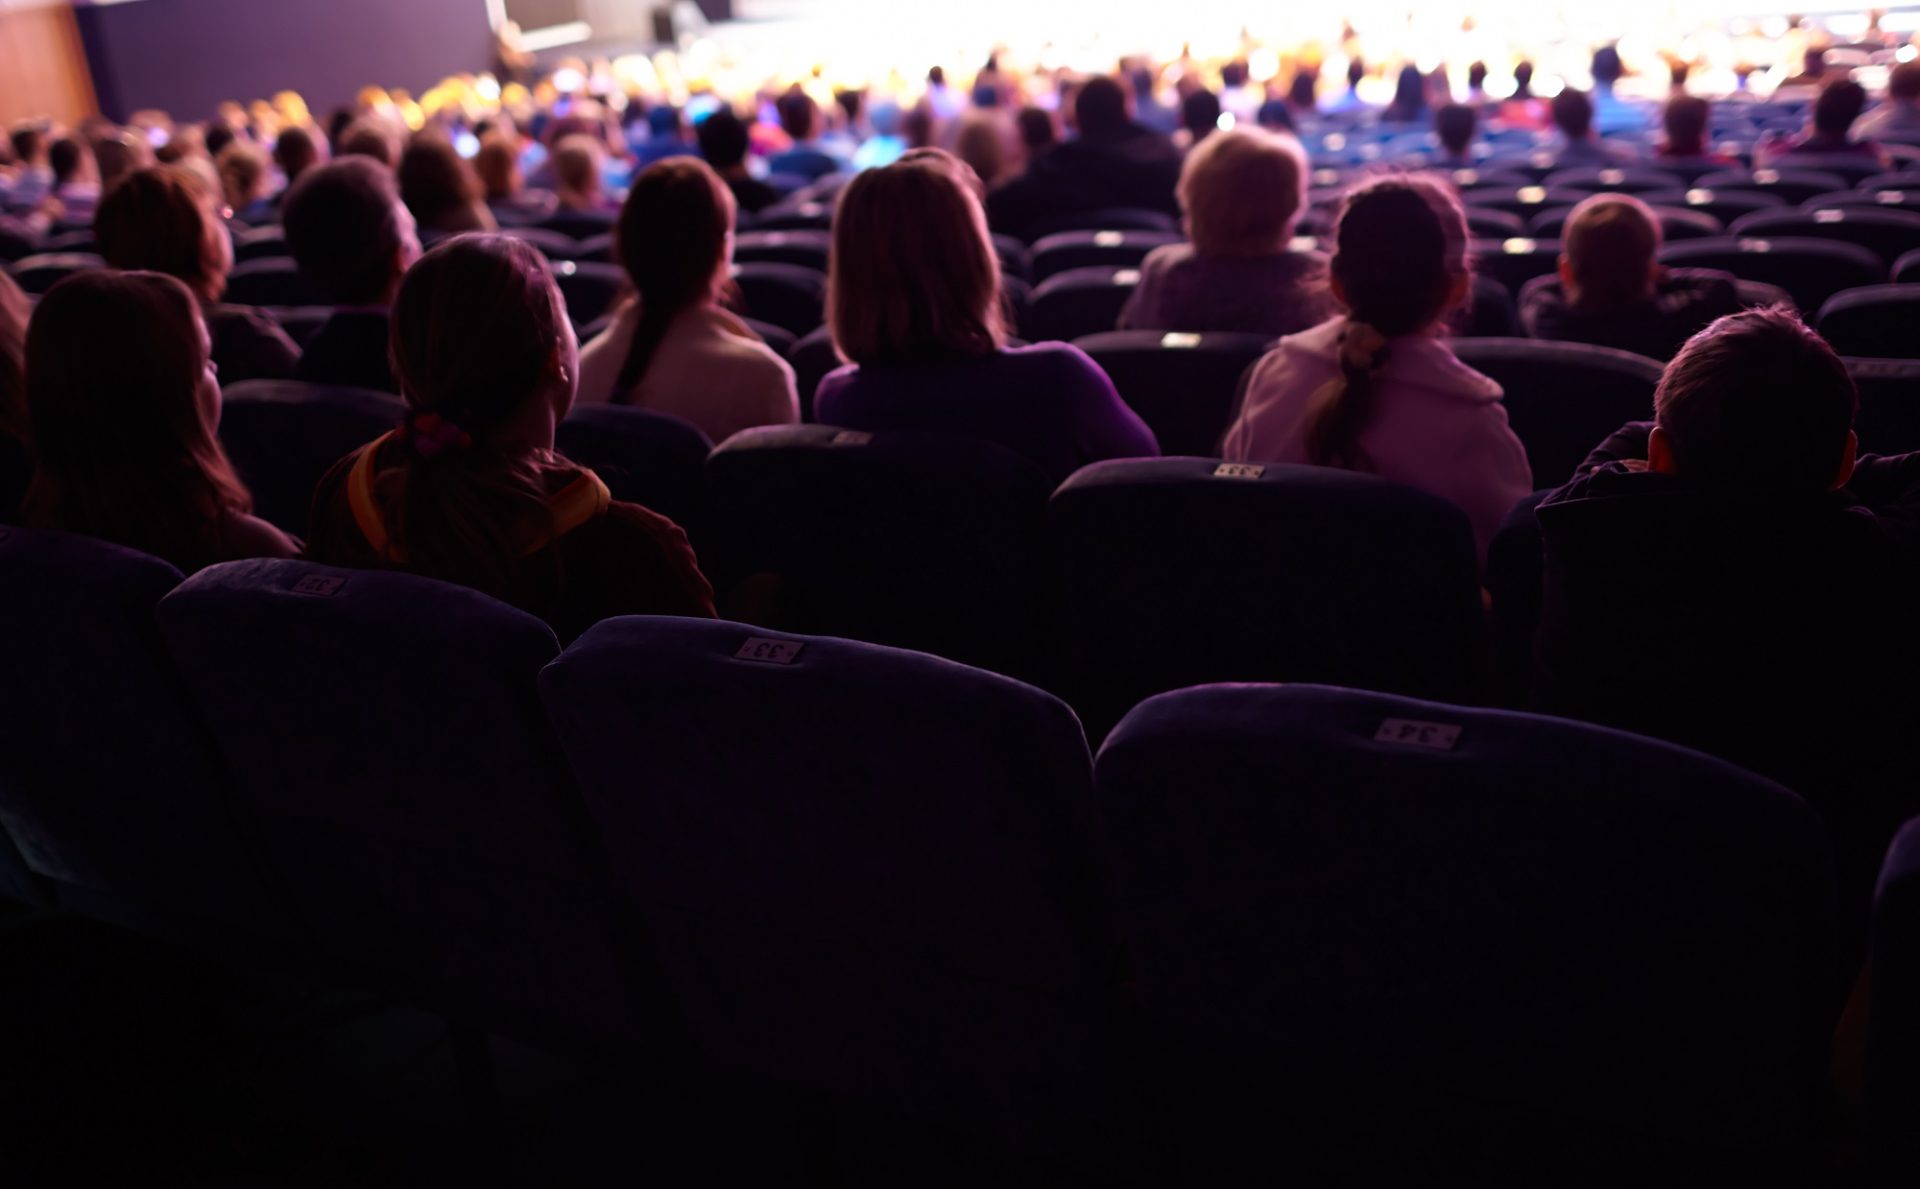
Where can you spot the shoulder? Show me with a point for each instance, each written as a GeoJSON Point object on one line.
{"type": "Point", "coordinates": [1061, 362]}
{"type": "Point", "coordinates": [239, 535]}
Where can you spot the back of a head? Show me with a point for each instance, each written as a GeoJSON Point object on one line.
{"type": "Point", "coordinates": [498, 164]}
{"type": "Point", "coordinates": [723, 139]}
{"type": "Point", "coordinates": [1356, 71]}
{"type": "Point", "coordinates": [65, 159]}
{"type": "Point", "coordinates": [1037, 129]}
{"type": "Point", "coordinates": [1607, 67]}
{"type": "Point", "coordinates": [295, 152]}
{"type": "Point", "coordinates": [1686, 119]}
{"type": "Point", "coordinates": [28, 142]}
{"type": "Point", "coordinates": [1839, 105]}
{"type": "Point", "coordinates": [1572, 114]}
{"type": "Point", "coordinates": [1757, 403]}
{"type": "Point", "coordinates": [982, 141]}
{"type": "Point", "coordinates": [1611, 242]}
{"type": "Point", "coordinates": [1200, 113]}
{"type": "Point", "coordinates": [1409, 94]}
{"type": "Point", "coordinates": [1100, 108]}
{"type": "Point", "coordinates": [1903, 83]}
{"type": "Point", "coordinates": [348, 231]}
{"type": "Point", "coordinates": [1300, 92]}
{"type": "Point", "coordinates": [371, 137]}
{"type": "Point", "coordinates": [672, 241]}
{"type": "Point", "coordinates": [435, 181]}
{"type": "Point", "coordinates": [1241, 192]}
{"type": "Point", "coordinates": [156, 220]}
{"type": "Point", "coordinates": [118, 156]}
{"type": "Point", "coordinates": [663, 120]}
{"type": "Point", "coordinates": [1523, 80]}
{"type": "Point", "coordinates": [798, 113]}
{"type": "Point", "coordinates": [1455, 124]}
{"type": "Point", "coordinates": [1477, 77]}
{"type": "Point", "coordinates": [914, 277]}
{"type": "Point", "coordinates": [576, 165]}
{"type": "Point", "coordinates": [121, 423]}
{"type": "Point", "coordinates": [243, 173]}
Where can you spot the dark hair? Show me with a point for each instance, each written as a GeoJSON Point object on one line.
{"type": "Point", "coordinates": [1409, 97]}
{"type": "Point", "coordinates": [1607, 67]}
{"type": "Point", "coordinates": [1300, 92]}
{"type": "Point", "coordinates": [1839, 105]}
{"type": "Point", "coordinates": [1356, 70]}
{"type": "Point", "coordinates": [156, 220]}
{"type": "Point", "coordinates": [1572, 113]}
{"type": "Point", "coordinates": [367, 138]}
{"type": "Point", "coordinates": [671, 272]}
{"type": "Point", "coordinates": [121, 432]}
{"type": "Point", "coordinates": [1233, 74]}
{"type": "Point", "coordinates": [798, 113]}
{"type": "Point", "coordinates": [218, 136]}
{"type": "Point", "coordinates": [343, 227]}
{"type": "Point", "coordinates": [1100, 108]}
{"type": "Point", "coordinates": [1757, 401]}
{"type": "Point", "coordinates": [437, 183]}
{"type": "Point", "coordinates": [475, 329]}
{"type": "Point", "coordinates": [1400, 250]}
{"type": "Point", "coordinates": [723, 139]}
{"type": "Point", "coordinates": [937, 76]}
{"type": "Point", "coordinates": [1523, 80]}
{"type": "Point", "coordinates": [1476, 76]}
{"type": "Point", "coordinates": [1141, 80]}
{"type": "Point", "coordinates": [851, 103]}
{"type": "Point", "coordinates": [1200, 114]}
{"type": "Point", "coordinates": [64, 159]}
{"type": "Point", "coordinates": [1903, 81]}
{"type": "Point", "coordinates": [295, 152]}
{"type": "Point", "coordinates": [1037, 129]}
{"type": "Point", "coordinates": [26, 140]}
{"type": "Point", "coordinates": [1685, 119]}
{"type": "Point", "coordinates": [1454, 124]}
{"type": "Point", "coordinates": [664, 120]}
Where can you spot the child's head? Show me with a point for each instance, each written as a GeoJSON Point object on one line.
{"type": "Point", "coordinates": [349, 232]}
{"type": "Point", "coordinates": [1756, 402]}
{"type": "Point", "coordinates": [1400, 254]}
{"type": "Point", "coordinates": [1839, 105]}
{"type": "Point", "coordinates": [1685, 120]}
{"type": "Point", "coordinates": [672, 273]}
{"type": "Point", "coordinates": [1572, 114]}
{"type": "Point", "coordinates": [163, 219]}
{"type": "Point", "coordinates": [1454, 124]}
{"type": "Point", "coordinates": [1241, 192]}
{"type": "Point", "coordinates": [1609, 245]}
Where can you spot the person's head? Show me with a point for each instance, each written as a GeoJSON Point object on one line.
{"type": "Point", "coordinates": [1476, 77]}
{"type": "Point", "coordinates": [672, 272]}
{"type": "Point", "coordinates": [1756, 403]}
{"type": "Point", "coordinates": [1399, 265]}
{"type": "Point", "coordinates": [122, 407]}
{"type": "Point", "coordinates": [1356, 72]}
{"type": "Point", "coordinates": [799, 114]}
{"type": "Point", "coordinates": [1300, 93]}
{"type": "Point", "coordinates": [488, 365]}
{"type": "Point", "coordinates": [1141, 79]}
{"type": "Point", "coordinates": [1685, 119]}
{"type": "Point", "coordinates": [1455, 124]}
{"type": "Point", "coordinates": [498, 164]}
{"type": "Point", "coordinates": [983, 141]}
{"type": "Point", "coordinates": [1572, 114]}
{"type": "Point", "coordinates": [349, 232]}
{"type": "Point", "coordinates": [1275, 115]}
{"type": "Point", "coordinates": [1607, 67]}
{"type": "Point", "coordinates": [1241, 192]}
{"type": "Point", "coordinates": [295, 152]}
{"type": "Point", "coordinates": [1608, 250]}
{"type": "Point", "coordinates": [665, 123]}
{"type": "Point", "coordinates": [1903, 83]}
{"type": "Point", "coordinates": [723, 141]}
{"type": "Point", "coordinates": [243, 174]}
{"type": "Point", "coordinates": [1813, 60]}
{"type": "Point", "coordinates": [118, 156]}
{"type": "Point", "coordinates": [1523, 80]}
{"type": "Point", "coordinates": [914, 275]}
{"type": "Point", "coordinates": [371, 137]}
{"type": "Point", "coordinates": [1409, 94]}
{"type": "Point", "coordinates": [576, 171]}
{"type": "Point", "coordinates": [1839, 105]}
{"type": "Point", "coordinates": [164, 220]}
{"type": "Point", "coordinates": [69, 160]}
{"type": "Point", "coordinates": [437, 184]}
{"type": "Point", "coordinates": [1037, 129]}
{"type": "Point", "coordinates": [1100, 109]}
{"type": "Point", "coordinates": [1200, 114]}
{"type": "Point", "coordinates": [29, 144]}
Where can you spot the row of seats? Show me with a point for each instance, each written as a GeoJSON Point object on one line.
{"type": "Point", "coordinates": [1267, 918]}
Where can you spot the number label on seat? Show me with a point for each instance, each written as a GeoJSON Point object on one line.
{"type": "Point", "coordinates": [1176, 341]}
{"type": "Point", "coordinates": [320, 586]}
{"type": "Point", "coordinates": [1408, 732]}
{"type": "Point", "coordinates": [850, 437]}
{"type": "Point", "coordinates": [1239, 470]}
{"type": "Point", "coordinates": [769, 652]}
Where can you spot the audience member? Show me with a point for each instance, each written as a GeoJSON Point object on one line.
{"type": "Point", "coordinates": [373, 137]}
{"type": "Point", "coordinates": [353, 239]}
{"type": "Point", "coordinates": [914, 305]}
{"type": "Point", "coordinates": [123, 438]}
{"type": "Point", "coordinates": [1147, 108]}
{"type": "Point", "coordinates": [1037, 129]}
{"type": "Point", "coordinates": [1302, 100]}
{"type": "Point", "coordinates": [809, 158]}
{"type": "Point", "coordinates": [295, 151]}
{"type": "Point", "coordinates": [1685, 120]}
{"type": "Point", "coordinates": [1829, 128]}
{"type": "Point", "coordinates": [1114, 162]}
{"type": "Point", "coordinates": [32, 177]}
{"type": "Point", "coordinates": [1572, 115]}
{"type": "Point", "coordinates": [985, 141]}
{"type": "Point", "coordinates": [1374, 389]}
{"type": "Point", "coordinates": [1454, 125]}
{"type": "Point", "coordinates": [1409, 104]}
{"type": "Point", "coordinates": [1523, 110]}
{"type": "Point", "coordinates": [441, 188]}
{"type": "Point", "coordinates": [470, 489]}
{"type": "Point", "coordinates": [579, 176]}
{"type": "Point", "coordinates": [723, 142]}
{"type": "Point", "coordinates": [1200, 117]}
{"type": "Point", "coordinates": [244, 181]}
{"type": "Point", "coordinates": [1610, 289]}
{"type": "Point", "coordinates": [76, 185]}
{"type": "Point", "coordinates": [163, 220]}
{"type": "Point", "coordinates": [1899, 116]}
{"type": "Point", "coordinates": [666, 137]}
{"type": "Point", "coordinates": [1611, 113]}
{"type": "Point", "coordinates": [1241, 192]}
{"type": "Point", "coordinates": [672, 348]}
{"type": "Point", "coordinates": [1349, 100]}
{"type": "Point", "coordinates": [498, 166]}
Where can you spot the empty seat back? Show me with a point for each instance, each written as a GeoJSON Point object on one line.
{"type": "Point", "coordinates": [646, 458]}
{"type": "Point", "coordinates": [1514, 262]}
{"type": "Point", "coordinates": [1563, 399]}
{"type": "Point", "coordinates": [806, 249]}
{"type": "Point", "coordinates": [1723, 205]}
{"type": "Point", "coordinates": [1411, 931]}
{"type": "Point", "coordinates": [786, 295]}
{"type": "Point", "coordinates": [1893, 1029]}
{"type": "Point", "coordinates": [271, 281]}
{"type": "Point", "coordinates": [1888, 234]}
{"type": "Point", "coordinates": [1096, 249]}
{"type": "Point", "coordinates": [1104, 219]}
{"type": "Point", "coordinates": [283, 436]}
{"type": "Point", "coordinates": [1792, 186]}
{"type": "Point", "coordinates": [1810, 269]}
{"type": "Point", "coordinates": [1184, 386]}
{"type": "Point", "coordinates": [1889, 417]}
{"type": "Point", "coordinates": [1877, 321]}
{"type": "Point", "coordinates": [37, 274]}
{"type": "Point", "coordinates": [1077, 303]}
{"type": "Point", "coordinates": [589, 289]}
{"type": "Point", "coordinates": [552, 244]}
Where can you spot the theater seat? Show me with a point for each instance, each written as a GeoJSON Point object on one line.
{"type": "Point", "coordinates": [107, 783]}
{"type": "Point", "coordinates": [813, 358]}
{"type": "Point", "coordinates": [1096, 249]}
{"type": "Point", "coordinates": [790, 297]}
{"type": "Point", "coordinates": [1675, 223]}
{"type": "Point", "coordinates": [578, 225]}
{"type": "Point", "coordinates": [1449, 946]}
{"type": "Point", "coordinates": [271, 281]}
{"type": "Point", "coordinates": [1077, 303]}
{"type": "Point", "coordinates": [1104, 219]}
{"type": "Point", "coordinates": [386, 731]}
{"type": "Point", "coordinates": [595, 249]}
{"type": "Point", "coordinates": [261, 243]}
{"type": "Point", "coordinates": [1723, 205]}
{"type": "Point", "coordinates": [921, 541]}
{"type": "Point", "coordinates": [1888, 234]}
{"type": "Point", "coordinates": [284, 436]}
{"type": "Point", "coordinates": [1812, 270]}
{"type": "Point", "coordinates": [1525, 201]}
{"type": "Point", "coordinates": [1877, 321]}
{"type": "Point", "coordinates": [643, 457]}
{"type": "Point", "coordinates": [797, 216]}
{"type": "Point", "coordinates": [1889, 418]}
{"type": "Point", "coordinates": [1907, 268]}
{"type": "Point", "coordinates": [1184, 570]}
{"type": "Point", "coordinates": [301, 323]}
{"type": "Point", "coordinates": [1625, 179]}
{"type": "Point", "coordinates": [1484, 222]}
{"type": "Point", "coordinates": [806, 249]}
{"type": "Point", "coordinates": [1015, 259]}
{"type": "Point", "coordinates": [552, 244]}
{"type": "Point", "coordinates": [880, 881]}
{"type": "Point", "coordinates": [1792, 186]}
{"type": "Point", "coordinates": [1514, 262]}
{"type": "Point", "coordinates": [1184, 386]}
{"type": "Point", "coordinates": [37, 274]}
{"type": "Point", "coordinates": [778, 340]}
{"type": "Point", "coordinates": [1893, 1029]}
{"type": "Point", "coordinates": [1563, 399]}
{"type": "Point", "coordinates": [1490, 311]}
{"type": "Point", "coordinates": [590, 290]}
{"type": "Point", "coordinates": [1882, 198]}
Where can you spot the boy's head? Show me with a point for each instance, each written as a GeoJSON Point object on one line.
{"type": "Point", "coordinates": [1454, 125]}
{"type": "Point", "coordinates": [1756, 402]}
{"type": "Point", "coordinates": [1608, 249]}
{"type": "Point", "coordinates": [1839, 105]}
{"type": "Point", "coordinates": [350, 233]}
{"type": "Point", "coordinates": [1572, 114]}
{"type": "Point", "coordinates": [1686, 118]}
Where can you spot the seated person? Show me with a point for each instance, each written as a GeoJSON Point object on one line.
{"type": "Point", "coordinates": [1899, 115]}
{"type": "Point", "coordinates": [353, 239]}
{"type": "Point", "coordinates": [1685, 121]}
{"type": "Point", "coordinates": [1241, 192]}
{"type": "Point", "coordinates": [296, 151]}
{"type": "Point", "coordinates": [76, 182]}
{"type": "Point", "coordinates": [1572, 114]}
{"type": "Point", "coordinates": [914, 304]}
{"type": "Point", "coordinates": [1829, 130]}
{"type": "Point", "coordinates": [1610, 290]}
{"type": "Point", "coordinates": [1374, 388]}
{"type": "Point", "coordinates": [672, 348]}
{"type": "Point", "coordinates": [504, 185]}
{"type": "Point", "coordinates": [580, 188]}
{"type": "Point", "coordinates": [723, 142]}
{"type": "Point", "coordinates": [1455, 125]}
{"type": "Point", "coordinates": [810, 157]}
{"type": "Point", "coordinates": [440, 188]}
{"type": "Point", "coordinates": [123, 438]}
{"type": "Point", "coordinates": [666, 136]}
{"type": "Point", "coordinates": [470, 489]}
{"type": "Point", "coordinates": [1113, 162]}
{"type": "Point", "coordinates": [244, 181]}
{"type": "Point", "coordinates": [1730, 577]}
{"type": "Point", "coordinates": [163, 220]}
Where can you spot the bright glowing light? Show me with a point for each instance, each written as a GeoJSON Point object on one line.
{"type": "Point", "coordinates": [1225, 122]}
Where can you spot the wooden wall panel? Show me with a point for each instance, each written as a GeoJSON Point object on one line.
{"type": "Point", "coordinates": [43, 67]}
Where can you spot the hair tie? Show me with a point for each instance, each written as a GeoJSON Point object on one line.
{"type": "Point", "coordinates": [1362, 348]}
{"type": "Point", "coordinates": [432, 435]}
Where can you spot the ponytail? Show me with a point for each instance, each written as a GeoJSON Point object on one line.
{"type": "Point", "coordinates": [1343, 408]}
{"type": "Point", "coordinates": [671, 240]}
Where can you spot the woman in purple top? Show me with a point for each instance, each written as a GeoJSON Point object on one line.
{"type": "Point", "coordinates": [915, 307]}
{"type": "Point", "coordinates": [1241, 193]}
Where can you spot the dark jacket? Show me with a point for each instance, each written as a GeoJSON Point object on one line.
{"type": "Point", "coordinates": [350, 350]}
{"type": "Point", "coordinates": [1136, 168]}
{"type": "Point", "coordinates": [249, 345]}
{"type": "Point", "coordinates": [1683, 303]}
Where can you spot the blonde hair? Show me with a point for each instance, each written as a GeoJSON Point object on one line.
{"type": "Point", "coordinates": [1611, 241]}
{"type": "Point", "coordinates": [576, 164]}
{"type": "Point", "coordinates": [914, 274]}
{"type": "Point", "coordinates": [1241, 192]}
{"type": "Point", "coordinates": [243, 174]}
